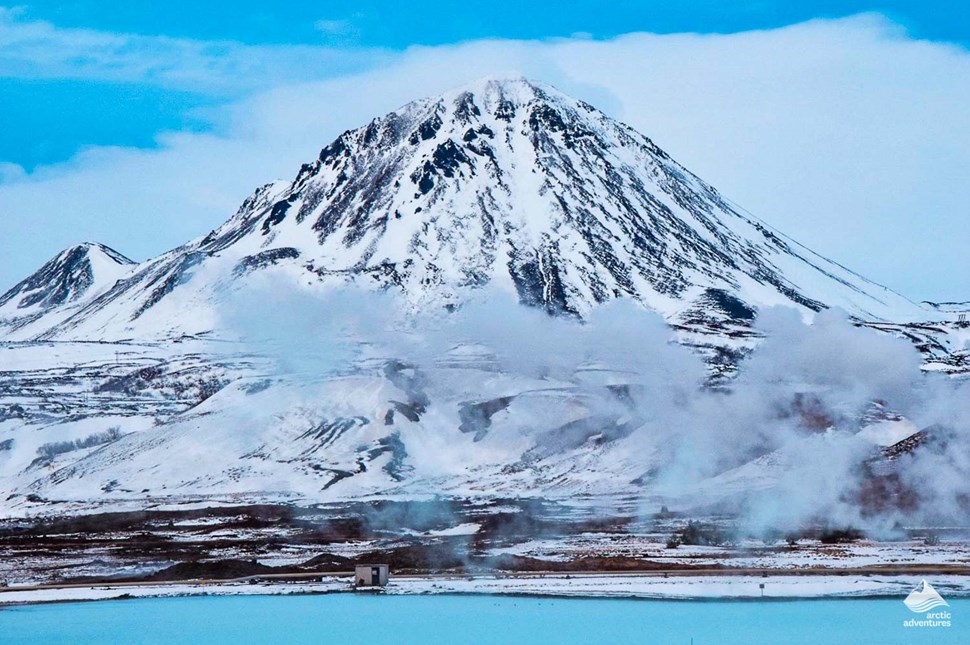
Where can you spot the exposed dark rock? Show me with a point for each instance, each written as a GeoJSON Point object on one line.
{"type": "Point", "coordinates": [265, 258]}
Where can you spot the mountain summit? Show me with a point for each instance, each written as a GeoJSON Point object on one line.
{"type": "Point", "coordinates": [66, 281]}
{"type": "Point", "coordinates": [504, 182]}
{"type": "Point", "coordinates": [511, 181]}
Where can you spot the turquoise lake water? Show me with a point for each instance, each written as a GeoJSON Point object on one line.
{"type": "Point", "coordinates": [348, 618]}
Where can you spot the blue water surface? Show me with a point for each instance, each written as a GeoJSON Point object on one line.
{"type": "Point", "coordinates": [348, 618]}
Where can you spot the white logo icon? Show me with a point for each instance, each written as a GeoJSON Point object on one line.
{"type": "Point", "coordinates": [924, 598]}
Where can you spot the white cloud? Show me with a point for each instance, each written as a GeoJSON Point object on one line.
{"type": "Point", "coordinates": [845, 134]}
{"type": "Point", "coordinates": [10, 172]}
{"type": "Point", "coordinates": [33, 49]}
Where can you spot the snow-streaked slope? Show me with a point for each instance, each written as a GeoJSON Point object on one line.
{"type": "Point", "coordinates": [464, 428]}
{"type": "Point", "coordinates": [508, 183]}
{"type": "Point", "coordinates": [125, 425]}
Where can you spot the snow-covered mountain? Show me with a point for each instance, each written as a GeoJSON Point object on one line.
{"type": "Point", "coordinates": [505, 182]}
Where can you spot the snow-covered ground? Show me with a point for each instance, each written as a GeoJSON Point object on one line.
{"type": "Point", "coordinates": [644, 586]}
{"type": "Point", "coordinates": [747, 554]}
{"type": "Point", "coordinates": [602, 585]}
{"type": "Point", "coordinates": [103, 592]}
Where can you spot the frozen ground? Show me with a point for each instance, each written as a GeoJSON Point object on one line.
{"type": "Point", "coordinates": [598, 585]}
{"type": "Point", "coordinates": [744, 554]}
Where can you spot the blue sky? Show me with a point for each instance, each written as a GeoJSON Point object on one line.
{"type": "Point", "coordinates": [136, 100]}
{"type": "Point", "coordinates": [135, 111]}
{"type": "Point", "coordinates": [383, 23]}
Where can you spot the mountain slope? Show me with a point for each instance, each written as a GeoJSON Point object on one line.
{"type": "Point", "coordinates": [507, 183]}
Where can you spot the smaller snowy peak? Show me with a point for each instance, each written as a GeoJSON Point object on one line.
{"type": "Point", "coordinates": [72, 276]}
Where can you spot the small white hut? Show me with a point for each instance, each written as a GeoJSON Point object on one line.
{"type": "Point", "coordinates": [371, 575]}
